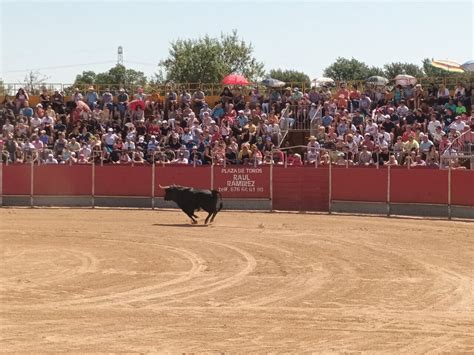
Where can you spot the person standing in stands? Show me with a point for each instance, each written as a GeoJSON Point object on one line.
{"type": "Point", "coordinates": [91, 97]}
{"type": "Point", "coordinates": [21, 98]}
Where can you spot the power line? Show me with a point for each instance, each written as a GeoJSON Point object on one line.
{"type": "Point", "coordinates": [141, 63]}
{"type": "Point", "coordinates": [57, 67]}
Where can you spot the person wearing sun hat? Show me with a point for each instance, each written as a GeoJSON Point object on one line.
{"type": "Point", "coordinates": [91, 97]}
{"type": "Point", "coordinates": [313, 144]}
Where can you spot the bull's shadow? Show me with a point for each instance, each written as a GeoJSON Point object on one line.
{"type": "Point", "coordinates": [180, 225]}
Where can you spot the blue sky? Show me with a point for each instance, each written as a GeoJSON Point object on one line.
{"type": "Point", "coordinates": [65, 38]}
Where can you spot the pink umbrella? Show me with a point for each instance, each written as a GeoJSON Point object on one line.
{"type": "Point", "coordinates": [235, 79]}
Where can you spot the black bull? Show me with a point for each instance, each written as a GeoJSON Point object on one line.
{"type": "Point", "coordinates": [190, 200]}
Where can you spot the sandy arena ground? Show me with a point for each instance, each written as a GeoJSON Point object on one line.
{"type": "Point", "coordinates": [137, 280]}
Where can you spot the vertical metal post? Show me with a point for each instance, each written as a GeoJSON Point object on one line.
{"type": "Point", "coordinates": [449, 191]}
{"type": "Point", "coordinates": [271, 185]}
{"type": "Point", "coordinates": [31, 184]}
{"type": "Point", "coordinates": [93, 184]}
{"type": "Point", "coordinates": [330, 184]}
{"type": "Point", "coordinates": [1, 181]}
{"type": "Point", "coordinates": [212, 174]}
{"type": "Point", "coordinates": [153, 176]}
{"type": "Point", "coordinates": [388, 191]}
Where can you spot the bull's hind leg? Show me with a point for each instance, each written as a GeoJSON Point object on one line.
{"type": "Point", "coordinates": [207, 218]}
{"type": "Point", "coordinates": [213, 216]}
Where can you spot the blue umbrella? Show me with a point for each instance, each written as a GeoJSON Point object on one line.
{"type": "Point", "coordinates": [468, 66]}
{"type": "Point", "coordinates": [273, 83]}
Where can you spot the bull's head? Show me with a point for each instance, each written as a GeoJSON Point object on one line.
{"type": "Point", "coordinates": [169, 192]}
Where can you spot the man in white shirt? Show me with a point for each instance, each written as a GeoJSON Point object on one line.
{"type": "Point", "coordinates": [35, 122]}
{"type": "Point", "coordinates": [85, 151]}
{"type": "Point", "coordinates": [433, 124]}
{"type": "Point", "coordinates": [371, 128]}
{"type": "Point", "coordinates": [458, 124]}
{"type": "Point", "coordinates": [109, 138]}
{"type": "Point", "coordinates": [51, 160]}
{"type": "Point", "coordinates": [129, 145]}
{"type": "Point", "coordinates": [8, 127]}
{"type": "Point", "coordinates": [402, 110]}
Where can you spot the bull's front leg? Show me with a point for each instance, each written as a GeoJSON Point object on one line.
{"type": "Point", "coordinates": [190, 213]}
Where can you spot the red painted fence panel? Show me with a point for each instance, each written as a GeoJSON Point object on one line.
{"type": "Point", "coordinates": [419, 186]}
{"type": "Point", "coordinates": [62, 180]}
{"type": "Point", "coordinates": [125, 180]}
{"type": "Point", "coordinates": [462, 187]}
{"type": "Point", "coordinates": [16, 179]}
{"type": "Point", "coordinates": [240, 181]}
{"type": "Point", "coordinates": [197, 177]}
{"type": "Point", "coordinates": [301, 189]}
{"type": "Point", "coordinates": [359, 184]}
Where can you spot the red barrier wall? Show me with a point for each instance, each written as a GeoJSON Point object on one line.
{"type": "Point", "coordinates": [62, 180]}
{"type": "Point", "coordinates": [16, 179]}
{"type": "Point", "coordinates": [301, 189]}
{"type": "Point", "coordinates": [419, 186]}
{"type": "Point", "coordinates": [462, 187]}
{"type": "Point", "coordinates": [123, 180]}
{"type": "Point", "coordinates": [294, 188]}
{"type": "Point", "coordinates": [197, 177]}
{"type": "Point", "coordinates": [359, 184]}
{"type": "Point", "coordinates": [242, 181]}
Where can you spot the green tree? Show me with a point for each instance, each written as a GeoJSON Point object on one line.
{"type": "Point", "coordinates": [391, 70]}
{"type": "Point", "coordinates": [350, 69]}
{"type": "Point", "coordinates": [114, 78]}
{"type": "Point", "coordinates": [290, 76]}
{"type": "Point", "coordinates": [209, 60]}
{"type": "Point", "coordinates": [86, 78]}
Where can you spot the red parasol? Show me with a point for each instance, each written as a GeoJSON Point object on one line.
{"type": "Point", "coordinates": [135, 103]}
{"type": "Point", "coordinates": [235, 79]}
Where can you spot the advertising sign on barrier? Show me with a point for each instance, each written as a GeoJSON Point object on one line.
{"type": "Point", "coordinates": [242, 181]}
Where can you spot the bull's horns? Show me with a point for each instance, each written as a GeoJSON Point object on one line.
{"type": "Point", "coordinates": [163, 187]}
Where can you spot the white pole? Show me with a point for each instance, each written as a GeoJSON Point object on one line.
{"type": "Point", "coordinates": [153, 176]}
{"type": "Point", "coordinates": [1, 181]}
{"type": "Point", "coordinates": [271, 184]}
{"type": "Point", "coordinates": [93, 183]}
{"type": "Point", "coordinates": [330, 184]}
{"type": "Point", "coordinates": [388, 191]}
{"type": "Point", "coordinates": [31, 184]}
{"type": "Point", "coordinates": [449, 191]}
{"type": "Point", "coordinates": [212, 174]}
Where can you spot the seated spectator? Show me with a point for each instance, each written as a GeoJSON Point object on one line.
{"type": "Point", "coordinates": [51, 160]}
{"type": "Point", "coordinates": [365, 157]}
{"type": "Point", "coordinates": [392, 160]}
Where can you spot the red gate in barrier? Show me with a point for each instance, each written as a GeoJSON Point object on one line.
{"type": "Point", "coordinates": [301, 189]}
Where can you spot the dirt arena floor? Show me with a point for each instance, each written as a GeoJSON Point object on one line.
{"type": "Point", "coordinates": [137, 280]}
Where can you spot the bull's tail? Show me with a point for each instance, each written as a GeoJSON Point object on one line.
{"type": "Point", "coordinates": [217, 195]}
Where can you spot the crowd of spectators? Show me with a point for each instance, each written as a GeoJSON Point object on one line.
{"type": "Point", "coordinates": [410, 126]}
